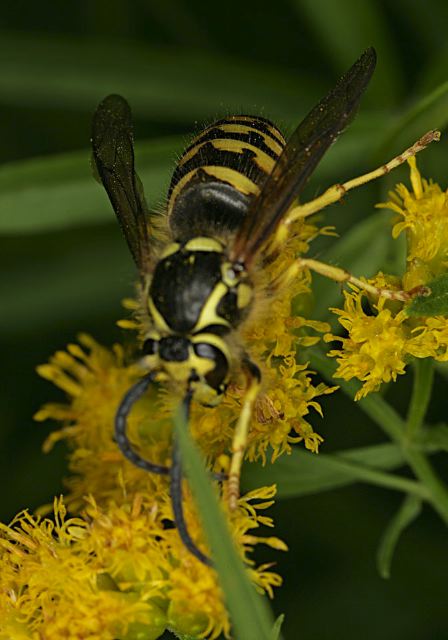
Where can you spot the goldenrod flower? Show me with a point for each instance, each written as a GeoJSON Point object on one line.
{"type": "Point", "coordinates": [376, 348]}
{"type": "Point", "coordinates": [127, 519]}
{"type": "Point", "coordinates": [381, 342]}
{"type": "Point", "coordinates": [424, 218]}
{"type": "Point", "coordinates": [53, 586]}
{"type": "Point", "coordinates": [122, 560]}
{"type": "Point", "coordinates": [117, 571]}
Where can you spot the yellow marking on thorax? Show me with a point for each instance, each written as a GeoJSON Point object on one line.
{"type": "Point", "coordinates": [244, 294]}
{"type": "Point", "coordinates": [203, 243]}
{"type": "Point", "coordinates": [173, 247]}
{"type": "Point", "coordinates": [208, 313]}
{"type": "Point", "coordinates": [157, 317]}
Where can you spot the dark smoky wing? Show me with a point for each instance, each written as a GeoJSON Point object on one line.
{"type": "Point", "coordinates": [303, 151]}
{"type": "Point", "coordinates": [113, 158]}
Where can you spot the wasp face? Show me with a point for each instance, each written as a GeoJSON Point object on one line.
{"type": "Point", "coordinates": [195, 299]}
{"type": "Point", "coordinates": [200, 362]}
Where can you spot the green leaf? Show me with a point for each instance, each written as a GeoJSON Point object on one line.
{"type": "Point", "coordinates": [304, 473]}
{"type": "Point", "coordinates": [50, 71]}
{"type": "Point", "coordinates": [250, 616]}
{"type": "Point", "coordinates": [434, 303]}
{"type": "Point", "coordinates": [345, 29]}
{"type": "Point", "coordinates": [59, 191]}
{"type": "Point", "coordinates": [276, 629]}
{"type": "Point", "coordinates": [434, 438]}
{"type": "Point", "coordinates": [430, 111]}
{"type": "Point", "coordinates": [64, 278]}
{"type": "Point", "coordinates": [434, 72]}
{"type": "Point", "coordinates": [407, 513]}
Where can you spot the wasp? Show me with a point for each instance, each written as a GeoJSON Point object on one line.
{"type": "Point", "coordinates": [230, 203]}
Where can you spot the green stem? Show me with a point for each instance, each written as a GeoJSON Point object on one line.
{"type": "Point", "coordinates": [421, 395]}
{"type": "Point", "coordinates": [379, 478]}
{"type": "Point", "coordinates": [425, 473]}
{"type": "Point", "coordinates": [396, 429]}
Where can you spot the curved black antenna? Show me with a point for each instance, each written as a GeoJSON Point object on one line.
{"type": "Point", "coordinates": [176, 495]}
{"type": "Point", "coordinates": [121, 418]}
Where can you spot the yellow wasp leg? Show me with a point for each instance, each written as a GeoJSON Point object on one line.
{"type": "Point", "coordinates": [337, 191]}
{"type": "Point", "coordinates": [241, 431]}
{"type": "Point", "coordinates": [341, 275]}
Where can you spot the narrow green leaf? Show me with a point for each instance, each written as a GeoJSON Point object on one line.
{"type": "Point", "coordinates": [430, 111]}
{"type": "Point", "coordinates": [59, 191]}
{"type": "Point", "coordinates": [434, 72]}
{"type": "Point", "coordinates": [276, 630]}
{"type": "Point", "coordinates": [423, 379]}
{"type": "Point", "coordinates": [431, 38]}
{"type": "Point", "coordinates": [63, 277]}
{"type": "Point", "coordinates": [304, 473]}
{"type": "Point", "coordinates": [434, 302]}
{"type": "Point", "coordinates": [407, 513]}
{"type": "Point", "coordinates": [345, 29]}
{"type": "Point", "coordinates": [179, 84]}
{"type": "Point", "coordinates": [434, 438]}
{"type": "Point", "coordinates": [251, 617]}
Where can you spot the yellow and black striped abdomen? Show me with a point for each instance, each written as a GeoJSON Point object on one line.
{"type": "Point", "coordinates": [219, 174]}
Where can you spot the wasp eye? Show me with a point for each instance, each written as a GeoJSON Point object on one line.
{"type": "Point", "coordinates": [149, 347]}
{"type": "Point", "coordinates": [205, 350]}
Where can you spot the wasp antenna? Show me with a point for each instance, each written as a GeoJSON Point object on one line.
{"type": "Point", "coordinates": [177, 498]}
{"type": "Point", "coordinates": [121, 419]}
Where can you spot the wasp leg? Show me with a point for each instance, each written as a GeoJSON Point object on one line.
{"type": "Point", "coordinates": [341, 275]}
{"type": "Point", "coordinates": [337, 191]}
{"type": "Point", "coordinates": [121, 418]}
{"type": "Point", "coordinates": [241, 430]}
{"type": "Point", "coordinates": [177, 498]}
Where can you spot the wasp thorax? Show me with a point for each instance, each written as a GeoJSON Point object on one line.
{"type": "Point", "coordinates": [195, 288]}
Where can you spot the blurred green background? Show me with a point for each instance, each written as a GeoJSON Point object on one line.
{"type": "Point", "coordinates": [65, 267]}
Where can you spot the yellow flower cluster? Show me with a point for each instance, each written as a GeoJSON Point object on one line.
{"type": "Point", "coordinates": [381, 341]}
{"type": "Point", "coordinates": [119, 569]}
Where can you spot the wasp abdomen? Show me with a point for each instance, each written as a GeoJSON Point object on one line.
{"type": "Point", "coordinates": [219, 174]}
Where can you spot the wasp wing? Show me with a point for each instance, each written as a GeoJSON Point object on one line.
{"type": "Point", "coordinates": [113, 158]}
{"type": "Point", "coordinates": [303, 151]}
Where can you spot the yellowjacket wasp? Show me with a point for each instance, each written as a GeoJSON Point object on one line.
{"type": "Point", "coordinates": [229, 204]}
